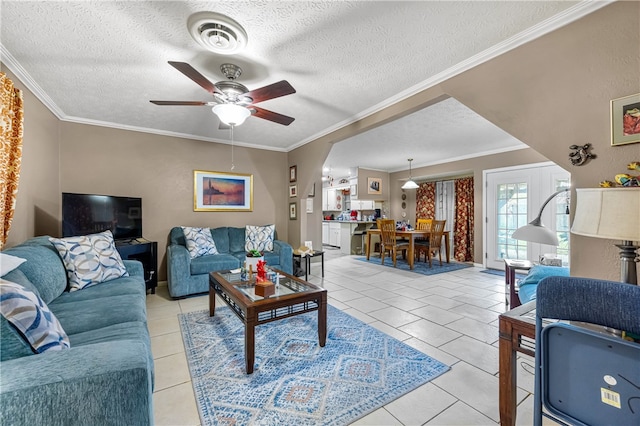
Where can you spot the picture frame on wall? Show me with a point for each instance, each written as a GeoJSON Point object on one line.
{"type": "Point", "coordinates": [312, 193]}
{"type": "Point", "coordinates": [625, 120]}
{"type": "Point", "coordinates": [374, 186]}
{"type": "Point", "coordinates": [293, 190]}
{"type": "Point", "coordinates": [293, 211]}
{"type": "Point", "coordinates": [293, 173]}
{"type": "Point", "coordinates": [222, 192]}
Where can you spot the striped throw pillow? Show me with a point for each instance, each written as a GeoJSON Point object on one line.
{"type": "Point", "coordinates": [199, 241]}
{"type": "Point", "coordinates": [90, 259]}
{"type": "Point", "coordinates": [32, 318]}
{"type": "Point", "coordinates": [259, 237]}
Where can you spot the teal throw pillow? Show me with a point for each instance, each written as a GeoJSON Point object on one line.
{"type": "Point", "coordinates": [529, 284]}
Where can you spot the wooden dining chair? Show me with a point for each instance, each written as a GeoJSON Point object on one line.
{"type": "Point", "coordinates": [435, 240]}
{"type": "Point", "coordinates": [420, 245]}
{"type": "Point", "coordinates": [388, 241]}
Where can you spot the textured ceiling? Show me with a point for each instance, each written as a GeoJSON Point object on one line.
{"type": "Point", "coordinates": [101, 62]}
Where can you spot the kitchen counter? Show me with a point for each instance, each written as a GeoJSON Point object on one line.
{"type": "Point", "coordinates": [348, 221]}
{"type": "Point", "coordinates": [346, 234]}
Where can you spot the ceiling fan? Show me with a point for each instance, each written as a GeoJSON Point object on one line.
{"type": "Point", "coordinates": [233, 102]}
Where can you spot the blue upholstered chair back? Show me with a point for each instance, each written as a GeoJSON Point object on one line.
{"type": "Point", "coordinates": [587, 374]}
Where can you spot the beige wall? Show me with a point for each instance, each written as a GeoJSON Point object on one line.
{"type": "Point", "coordinates": [38, 201]}
{"type": "Point", "coordinates": [100, 160]}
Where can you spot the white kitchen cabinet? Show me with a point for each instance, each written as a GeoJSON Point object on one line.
{"type": "Point", "coordinates": [362, 205]}
{"type": "Point", "coordinates": [325, 233]}
{"type": "Point", "coordinates": [330, 199]}
{"type": "Point", "coordinates": [334, 234]}
{"type": "Point", "coordinates": [346, 230]}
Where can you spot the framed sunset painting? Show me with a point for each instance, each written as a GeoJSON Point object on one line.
{"type": "Point", "coordinates": [220, 191]}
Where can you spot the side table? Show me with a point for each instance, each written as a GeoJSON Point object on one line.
{"type": "Point", "coordinates": [517, 332]}
{"type": "Point", "coordinates": [307, 262]}
{"type": "Point", "coordinates": [510, 267]}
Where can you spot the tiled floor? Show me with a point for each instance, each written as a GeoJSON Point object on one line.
{"type": "Point", "coordinates": [452, 317]}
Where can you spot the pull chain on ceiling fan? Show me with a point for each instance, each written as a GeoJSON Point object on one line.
{"type": "Point", "coordinates": [233, 102]}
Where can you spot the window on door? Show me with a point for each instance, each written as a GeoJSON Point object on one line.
{"type": "Point", "coordinates": [511, 211]}
{"type": "Point", "coordinates": [513, 198]}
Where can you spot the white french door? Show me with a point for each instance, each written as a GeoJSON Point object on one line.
{"type": "Point", "coordinates": [513, 198]}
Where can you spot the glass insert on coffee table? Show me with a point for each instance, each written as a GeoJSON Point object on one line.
{"type": "Point", "coordinates": [292, 296]}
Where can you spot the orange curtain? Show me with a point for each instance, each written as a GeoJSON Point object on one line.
{"type": "Point", "coordinates": [11, 123]}
{"type": "Point", "coordinates": [463, 228]}
{"type": "Point", "coordinates": [426, 201]}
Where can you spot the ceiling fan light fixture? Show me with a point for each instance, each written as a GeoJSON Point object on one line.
{"type": "Point", "coordinates": [231, 114]}
{"type": "Point", "coordinates": [410, 184]}
{"type": "Point", "coordinates": [217, 33]}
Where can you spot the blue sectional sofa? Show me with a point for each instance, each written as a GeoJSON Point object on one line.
{"type": "Point", "coordinates": [187, 276]}
{"type": "Point", "coordinates": [106, 376]}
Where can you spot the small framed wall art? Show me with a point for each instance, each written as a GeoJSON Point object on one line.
{"type": "Point", "coordinates": [625, 120]}
{"type": "Point", "coordinates": [374, 186]}
{"type": "Point", "coordinates": [293, 173]}
{"type": "Point", "coordinates": [312, 193]}
{"type": "Point", "coordinates": [293, 190]}
{"type": "Point", "coordinates": [222, 192]}
{"type": "Point", "coordinates": [293, 211]}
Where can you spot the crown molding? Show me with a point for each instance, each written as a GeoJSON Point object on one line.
{"type": "Point", "coordinates": [557, 21]}
{"type": "Point", "coordinates": [90, 122]}
{"type": "Point", "coordinates": [14, 66]}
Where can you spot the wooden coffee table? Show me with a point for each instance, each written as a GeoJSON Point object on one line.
{"type": "Point", "coordinates": [293, 297]}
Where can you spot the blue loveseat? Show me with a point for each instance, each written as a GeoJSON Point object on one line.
{"type": "Point", "coordinates": [106, 376]}
{"type": "Point", "coordinates": [187, 276]}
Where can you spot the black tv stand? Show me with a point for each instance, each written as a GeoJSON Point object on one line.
{"type": "Point", "coordinates": [146, 252]}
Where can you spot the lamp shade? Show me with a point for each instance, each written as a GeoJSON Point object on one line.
{"type": "Point", "coordinates": [612, 213]}
{"type": "Point", "coordinates": [231, 114]}
{"type": "Point", "coordinates": [536, 234]}
{"type": "Point", "coordinates": [409, 185]}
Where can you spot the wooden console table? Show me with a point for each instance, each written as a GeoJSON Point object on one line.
{"type": "Point", "coordinates": [517, 331]}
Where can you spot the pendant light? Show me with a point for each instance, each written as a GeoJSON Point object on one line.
{"type": "Point", "coordinates": [410, 184]}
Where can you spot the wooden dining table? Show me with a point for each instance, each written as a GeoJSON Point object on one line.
{"type": "Point", "coordinates": [411, 236]}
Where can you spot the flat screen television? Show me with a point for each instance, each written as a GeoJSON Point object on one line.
{"type": "Point", "coordinates": [84, 214]}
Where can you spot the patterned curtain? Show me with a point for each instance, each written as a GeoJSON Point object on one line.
{"type": "Point", "coordinates": [426, 201]}
{"type": "Point", "coordinates": [463, 231]}
{"type": "Point", "coordinates": [11, 121]}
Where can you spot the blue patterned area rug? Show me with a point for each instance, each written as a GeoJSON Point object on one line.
{"type": "Point", "coordinates": [419, 267]}
{"type": "Point", "coordinates": [295, 381]}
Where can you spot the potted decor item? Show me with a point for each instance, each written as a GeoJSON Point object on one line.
{"type": "Point", "coordinates": [252, 259]}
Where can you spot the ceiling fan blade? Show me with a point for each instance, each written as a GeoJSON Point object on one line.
{"type": "Point", "coordinates": [194, 75]}
{"type": "Point", "coordinates": [194, 103]}
{"type": "Point", "coordinates": [275, 90]}
{"type": "Point", "coordinates": [271, 116]}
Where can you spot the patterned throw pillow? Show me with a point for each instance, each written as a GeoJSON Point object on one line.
{"type": "Point", "coordinates": [199, 241]}
{"type": "Point", "coordinates": [8, 263]}
{"type": "Point", "coordinates": [259, 237]}
{"type": "Point", "coordinates": [32, 318]}
{"type": "Point", "coordinates": [90, 259]}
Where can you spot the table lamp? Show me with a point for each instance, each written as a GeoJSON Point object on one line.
{"type": "Point", "coordinates": [611, 213]}
{"type": "Point", "coordinates": [535, 231]}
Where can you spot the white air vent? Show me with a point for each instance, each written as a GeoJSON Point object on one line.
{"type": "Point", "coordinates": [217, 33]}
